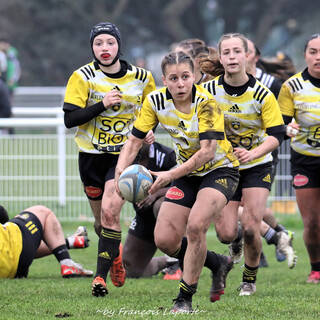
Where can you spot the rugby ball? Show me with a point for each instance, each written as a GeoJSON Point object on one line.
{"type": "Point", "coordinates": [134, 183]}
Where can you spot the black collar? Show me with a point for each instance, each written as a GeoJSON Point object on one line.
{"type": "Point", "coordinates": [237, 91]}
{"type": "Point", "coordinates": [122, 72]}
{"type": "Point", "coordinates": [194, 90]}
{"type": "Point", "coordinates": [307, 76]}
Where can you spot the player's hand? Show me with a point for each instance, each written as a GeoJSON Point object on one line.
{"type": "Point", "coordinates": [150, 138]}
{"type": "Point", "coordinates": [112, 98]}
{"type": "Point", "coordinates": [147, 202]}
{"type": "Point", "coordinates": [117, 174]}
{"type": "Point", "coordinates": [163, 178]}
{"type": "Point", "coordinates": [292, 129]}
{"type": "Point", "coordinates": [243, 155]}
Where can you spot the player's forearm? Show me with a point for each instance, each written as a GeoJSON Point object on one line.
{"type": "Point", "coordinates": [202, 156]}
{"type": "Point", "coordinates": [269, 145]}
{"type": "Point", "coordinates": [128, 153]}
{"type": "Point", "coordinates": [77, 117]}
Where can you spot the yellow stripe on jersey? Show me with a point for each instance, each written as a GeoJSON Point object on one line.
{"type": "Point", "coordinates": [247, 116]}
{"type": "Point", "coordinates": [87, 86]}
{"type": "Point", "coordinates": [186, 128]}
{"type": "Point", "coordinates": [10, 249]}
{"type": "Point", "coordinates": [300, 99]}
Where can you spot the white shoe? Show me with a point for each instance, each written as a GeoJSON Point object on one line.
{"type": "Point", "coordinates": [81, 231]}
{"type": "Point", "coordinates": [73, 269]}
{"type": "Point", "coordinates": [285, 247]}
{"type": "Point", "coordinates": [247, 289]}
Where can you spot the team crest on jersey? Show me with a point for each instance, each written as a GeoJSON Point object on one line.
{"type": "Point", "coordinates": [235, 125]}
{"type": "Point", "coordinates": [175, 193]}
{"type": "Point", "coordinates": [267, 178]}
{"type": "Point", "coordinates": [300, 180]}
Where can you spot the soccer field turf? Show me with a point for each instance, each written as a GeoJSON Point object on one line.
{"type": "Point", "coordinates": [281, 293]}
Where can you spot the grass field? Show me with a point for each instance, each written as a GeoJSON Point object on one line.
{"type": "Point", "coordinates": [281, 293]}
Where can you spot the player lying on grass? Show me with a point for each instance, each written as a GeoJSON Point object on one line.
{"type": "Point", "coordinates": [34, 233]}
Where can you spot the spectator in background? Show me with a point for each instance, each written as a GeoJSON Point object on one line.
{"type": "Point", "coordinates": [13, 71]}
{"type": "Point", "coordinates": [5, 104]}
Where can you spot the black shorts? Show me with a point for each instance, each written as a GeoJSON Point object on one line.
{"type": "Point", "coordinates": [95, 170]}
{"type": "Point", "coordinates": [255, 177]}
{"type": "Point", "coordinates": [142, 226]}
{"type": "Point", "coordinates": [184, 191]}
{"type": "Point", "coordinates": [32, 233]}
{"type": "Point", "coordinates": [305, 171]}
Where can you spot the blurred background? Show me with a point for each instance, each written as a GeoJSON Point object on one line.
{"type": "Point", "coordinates": [52, 36]}
{"type": "Point", "coordinates": [50, 39]}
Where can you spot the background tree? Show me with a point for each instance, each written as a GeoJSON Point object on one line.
{"type": "Point", "coordinates": [52, 36]}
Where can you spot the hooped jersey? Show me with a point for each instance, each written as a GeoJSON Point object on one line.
{"type": "Point", "coordinates": [248, 115]}
{"type": "Point", "coordinates": [203, 122]}
{"type": "Point", "coordinates": [88, 85]}
{"type": "Point", "coordinates": [10, 249]}
{"type": "Point", "coordinates": [300, 98]}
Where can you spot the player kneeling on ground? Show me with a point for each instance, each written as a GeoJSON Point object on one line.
{"type": "Point", "coordinates": [34, 233]}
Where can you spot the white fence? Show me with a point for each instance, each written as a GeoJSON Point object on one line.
{"type": "Point", "coordinates": [38, 164]}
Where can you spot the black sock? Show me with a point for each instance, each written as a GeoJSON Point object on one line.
{"type": "Point", "coordinates": [61, 252]}
{"type": "Point", "coordinates": [271, 236]}
{"type": "Point", "coordinates": [67, 243]}
{"type": "Point", "coordinates": [186, 290]}
{"type": "Point", "coordinates": [108, 250]}
{"type": "Point", "coordinates": [212, 261]}
{"type": "Point", "coordinates": [249, 274]}
{"type": "Point", "coordinates": [315, 266]}
{"type": "Point", "coordinates": [280, 227]}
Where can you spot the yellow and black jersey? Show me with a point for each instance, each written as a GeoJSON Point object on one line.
{"type": "Point", "coordinates": [300, 98]}
{"type": "Point", "coordinates": [186, 130]}
{"type": "Point", "coordinates": [250, 111]}
{"type": "Point", "coordinates": [10, 249]}
{"type": "Point", "coordinates": [108, 131]}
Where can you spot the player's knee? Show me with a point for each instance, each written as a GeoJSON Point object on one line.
{"type": "Point", "coordinates": [223, 238]}
{"type": "Point", "coordinates": [131, 270]}
{"type": "Point", "coordinates": [164, 243]}
{"type": "Point", "coordinates": [226, 236]}
{"type": "Point", "coordinates": [195, 231]}
{"type": "Point", "coordinates": [93, 193]}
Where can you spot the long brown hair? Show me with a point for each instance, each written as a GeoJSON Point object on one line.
{"type": "Point", "coordinates": [212, 65]}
